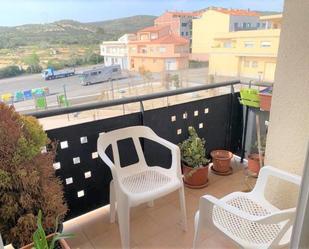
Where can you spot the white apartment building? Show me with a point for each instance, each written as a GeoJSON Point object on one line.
{"type": "Point", "coordinates": [116, 52]}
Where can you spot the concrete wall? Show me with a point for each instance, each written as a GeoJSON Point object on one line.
{"type": "Point", "coordinates": [289, 118]}
{"type": "Point", "coordinates": [205, 28]}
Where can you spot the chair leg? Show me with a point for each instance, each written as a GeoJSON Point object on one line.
{"type": "Point", "coordinates": [183, 208]}
{"type": "Point", "coordinates": [123, 211]}
{"type": "Point", "coordinates": [150, 203]}
{"type": "Point", "coordinates": [112, 201]}
{"type": "Point", "coordinates": [197, 232]}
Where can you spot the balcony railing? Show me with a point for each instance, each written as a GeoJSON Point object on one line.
{"type": "Point", "coordinates": [86, 178]}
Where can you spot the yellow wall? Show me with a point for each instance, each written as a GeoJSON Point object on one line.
{"type": "Point", "coordinates": [205, 28]}
{"type": "Point", "coordinates": [242, 61]}
{"type": "Point", "coordinates": [224, 65]}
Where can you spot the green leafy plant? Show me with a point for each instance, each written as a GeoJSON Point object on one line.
{"type": "Point", "coordinates": [41, 241]}
{"type": "Point", "coordinates": [27, 178]}
{"type": "Point", "coordinates": [193, 152]}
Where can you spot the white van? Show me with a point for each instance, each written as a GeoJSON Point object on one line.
{"type": "Point", "coordinates": [100, 75]}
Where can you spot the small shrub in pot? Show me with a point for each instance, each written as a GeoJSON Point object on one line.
{"type": "Point", "coordinates": [195, 163]}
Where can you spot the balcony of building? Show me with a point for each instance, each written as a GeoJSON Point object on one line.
{"type": "Point", "coordinates": [217, 115]}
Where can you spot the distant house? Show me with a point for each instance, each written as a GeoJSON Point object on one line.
{"type": "Point", "coordinates": [249, 53]}
{"type": "Point", "coordinates": [158, 49]}
{"type": "Point", "coordinates": [180, 22]}
{"type": "Point", "coordinates": [116, 52]}
{"type": "Point", "coordinates": [218, 20]}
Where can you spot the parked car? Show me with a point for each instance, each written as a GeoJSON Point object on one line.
{"type": "Point", "coordinates": [101, 74]}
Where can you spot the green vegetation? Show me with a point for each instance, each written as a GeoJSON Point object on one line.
{"type": "Point", "coordinates": [69, 32]}
{"type": "Point", "coordinates": [10, 71]}
{"type": "Point", "coordinates": [193, 152]}
{"type": "Point", "coordinates": [27, 178]}
{"type": "Point", "coordinates": [60, 44]}
{"type": "Point", "coordinates": [198, 64]}
{"type": "Point", "coordinates": [41, 241]}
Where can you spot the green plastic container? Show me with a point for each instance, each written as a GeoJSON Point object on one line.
{"type": "Point", "coordinates": [41, 103]}
{"type": "Point", "coordinates": [62, 101]}
{"type": "Point", "coordinates": [250, 97]}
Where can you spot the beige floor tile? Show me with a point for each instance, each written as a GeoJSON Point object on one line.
{"type": "Point", "coordinates": [143, 228]}
{"type": "Point", "coordinates": [159, 226]}
{"type": "Point", "coordinates": [80, 241]}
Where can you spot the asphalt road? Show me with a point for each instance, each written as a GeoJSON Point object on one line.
{"type": "Point", "coordinates": [72, 84]}
{"type": "Point", "coordinates": [75, 90]}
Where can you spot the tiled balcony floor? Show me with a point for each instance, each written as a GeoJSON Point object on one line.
{"type": "Point", "coordinates": [158, 226]}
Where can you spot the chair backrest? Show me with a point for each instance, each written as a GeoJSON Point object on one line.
{"type": "Point", "coordinates": [112, 137]}
{"type": "Point", "coordinates": [268, 171]}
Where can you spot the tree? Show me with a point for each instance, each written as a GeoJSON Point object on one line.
{"type": "Point", "coordinates": [27, 178]}
{"type": "Point", "coordinates": [33, 62]}
{"type": "Point", "coordinates": [10, 71]}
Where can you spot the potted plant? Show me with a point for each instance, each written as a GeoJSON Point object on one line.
{"type": "Point", "coordinates": [221, 162]}
{"type": "Point", "coordinates": [52, 241]}
{"type": "Point", "coordinates": [265, 98]}
{"type": "Point", "coordinates": [254, 158]}
{"type": "Point", "coordinates": [27, 178]}
{"type": "Point", "coordinates": [194, 161]}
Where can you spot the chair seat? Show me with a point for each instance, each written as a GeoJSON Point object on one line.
{"type": "Point", "coordinates": [145, 181]}
{"type": "Point", "coordinates": [248, 231]}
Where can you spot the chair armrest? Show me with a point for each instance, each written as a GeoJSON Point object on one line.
{"type": "Point", "coordinates": [207, 202]}
{"type": "Point", "coordinates": [175, 151]}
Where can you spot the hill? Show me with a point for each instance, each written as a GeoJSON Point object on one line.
{"type": "Point", "coordinates": [68, 32]}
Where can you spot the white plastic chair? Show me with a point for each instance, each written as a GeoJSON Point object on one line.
{"type": "Point", "coordinates": [139, 183]}
{"type": "Point", "coordinates": [248, 218]}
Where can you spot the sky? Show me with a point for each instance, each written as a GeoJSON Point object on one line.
{"type": "Point", "coordinates": [18, 12]}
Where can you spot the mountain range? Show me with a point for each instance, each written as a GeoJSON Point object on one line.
{"type": "Point", "coordinates": [69, 32]}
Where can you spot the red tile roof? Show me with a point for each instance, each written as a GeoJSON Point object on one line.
{"type": "Point", "coordinates": [166, 39]}
{"type": "Point", "coordinates": [171, 39]}
{"type": "Point", "coordinates": [182, 13]}
{"type": "Point", "coordinates": [237, 12]}
{"type": "Point", "coordinates": [153, 28]}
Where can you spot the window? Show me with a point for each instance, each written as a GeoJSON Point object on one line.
{"type": "Point", "coordinates": [187, 33]}
{"type": "Point", "coordinates": [184, 24]}
{"type": "Point", "coordinates": [182, 33]}
{"type": "Point", "coordinates": [254, 64]}
{"type": "Point", "coordinates": [162, 49]}
{"type": "Point", "coordinates": [258, 25]}
{"type": "Point", "coordinates": [115, 70]}
{"type": "Point", "coordinates": [227, 44]}
{"type": "Point", "coordinates": [153, 36]}
{"type": "Point", "coordinates": [93, 73]}
{"type": "Point", "coordinates": [248, 44]}
{"type": "Point", "coordinates": [235, 26]}
{"type": "Point", "coordinates": [265, 44]}
{"type": "Point", "coordinates": [246, 63]}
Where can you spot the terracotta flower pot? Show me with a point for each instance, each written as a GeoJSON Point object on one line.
{"type": "Point", "coordinates": [254, 163]}
{"type": "Point", "coordinates": [62, 242]}
{"type": "Point", "coordinates": [195, 177]}
{"type": "Point", "coordinates": [221, 160]}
